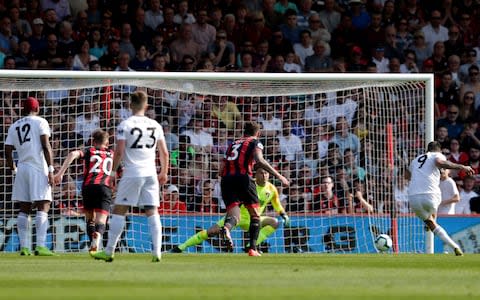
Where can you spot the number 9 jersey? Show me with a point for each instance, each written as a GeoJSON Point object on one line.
{"type": "Point", "coordinates": [425, 175]}
{"type": "Point", "coordinates": [141, 135]}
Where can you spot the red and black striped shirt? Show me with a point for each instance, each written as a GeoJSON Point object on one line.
{"type": "Point", "coordinates": [98, 164]}
{"type": "Point", "coordinates": [240, 157]}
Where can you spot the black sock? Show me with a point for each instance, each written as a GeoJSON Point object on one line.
{"type": "Point", "coordinates": [100, 228]}
{"type": "Point", "coordinates": [90, 229]}
{"type": "Point", "coordinates": [231, 220]}
{"type": "Point", "coordinates": [253, 232]}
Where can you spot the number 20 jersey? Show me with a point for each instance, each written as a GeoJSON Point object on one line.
{"type": "Point", "coordinates": [141, 135]}
{"type": "Point", "coordinates": [24, 135]}
{"type": "Point", "coordinates": [98, 165]}
{"type": "Point", "coordinates": [425, 174]}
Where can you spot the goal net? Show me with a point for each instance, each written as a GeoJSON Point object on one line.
{"type": "Point", "coordinates": [343, 140]}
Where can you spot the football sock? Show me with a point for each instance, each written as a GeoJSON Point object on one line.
{"type": "Point", "coordinates": [41, 225]}
{"type": "Point", "coordinates": [155, 226]}
{"type": "Point", "coordinates": [100, 228]}
{"type": "Point", "coordinates": [429, 237]}
{"type": "Point", "coordinates": [195, 239]}
{"type": "Point", "coordinates": [90, 229]}
{"type": "Point", "coordinates": [117, 222]}
{"type": "Point", "coordinates": [253, 232]}
{"type": "Point", "coordinates": [264, 233]}
{"type": "Point", "coordinates": [231, 220]}
{"type": "Point", "coordinates": [443, 235]}
{"type": "Point", "coordinates": [23, 226]}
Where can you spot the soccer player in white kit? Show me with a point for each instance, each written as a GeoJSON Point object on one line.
{"type": "Point", "coordinates": [424, 193]}
{"type": "Point", "coordinates": [29, 136]}
{"type": "Point", "coordinates": [138, 139]}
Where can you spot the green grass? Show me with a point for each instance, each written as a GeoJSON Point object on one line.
{"type": "Point", "coordinates": [236, 276]}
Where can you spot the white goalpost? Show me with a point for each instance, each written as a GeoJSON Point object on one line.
{"type": "Point", "coordinates": [358, 131]}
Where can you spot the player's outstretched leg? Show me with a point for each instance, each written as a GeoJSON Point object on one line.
{"type": "Point", "coordinates": [194, 240]}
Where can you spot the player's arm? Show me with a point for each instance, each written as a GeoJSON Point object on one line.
{"type": "Point", "coordinates": [278, 207]}
{"type": "Point", "coordinates": [264, 164]}
{"type": "Point", "coordinates": [118, 155]}
{"type": "Point", "coordinates": [48, 153]}
{"type": "Point", "coordinates": [164, 157]}
{"type": "Point", "coordinates": [68, 161]}
{"type": "Point", "coordinates": [446, 164]}
{"type": "Point", "coordinates": [9, 156]}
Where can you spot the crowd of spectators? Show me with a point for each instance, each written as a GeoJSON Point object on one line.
{"type": "Point", "coordinates": [317, 142]}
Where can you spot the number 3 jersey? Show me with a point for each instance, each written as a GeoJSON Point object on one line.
{"type": "Point", "coordinates": [25, 135]}
{"type": "Point", "coordinates": [425, 174]}
{"type": "Point", "coordinates": [98, 165]}
{"type": "Point", "coordinates": [141, 135]}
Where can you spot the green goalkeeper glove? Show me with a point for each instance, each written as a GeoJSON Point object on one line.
{"type": "Point", "coordinates": [286, 219]}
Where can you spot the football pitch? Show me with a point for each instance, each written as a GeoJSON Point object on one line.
{"type": "Point", "coordinates": [237, 276]}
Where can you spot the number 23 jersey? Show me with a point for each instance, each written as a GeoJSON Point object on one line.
{"type": "Point", "coordinates": [25, 135]}
{"type": "Point", "coordinates": [141, 135]}
{"type": "Point", "coordinates": [425, 174]}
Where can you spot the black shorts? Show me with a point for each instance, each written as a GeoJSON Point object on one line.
{"type": "Point", "coordinates": [97, 197]}
{"type": "Point", "coordinates": [239, 189]}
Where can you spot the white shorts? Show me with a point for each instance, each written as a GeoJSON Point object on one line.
{"type": "Point", "coordinates": [31, 185]}
{"type": "Point", "coordinates": [424, 205]}
{"type": "Point", "coordinates": [138, 191]}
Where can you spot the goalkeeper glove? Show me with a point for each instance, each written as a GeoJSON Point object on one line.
{"type": "Point", "coordinates": [286, 219]}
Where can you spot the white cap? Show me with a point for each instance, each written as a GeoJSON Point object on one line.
{"type": "Point", "coordinates": [37, 21]}
{"type": "Point", "coordinates": [172, 189]}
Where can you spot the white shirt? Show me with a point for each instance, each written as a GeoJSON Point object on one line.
{"type": "Point", "coordinates": [290, 146]}
{"type": "Point", "coordinates": [425, 174]}
{"type": "Point", "coordinates": [141, 135]}
{"type": "Point", "coordinates": [448, 187]}
{"type": "Point", "coordinates": [85, 127]}
{"type": "Point", "coordinates": [463, 206]}
{"type": "Point", "coordinates": [302, 52]}
{"type": "Point", "coordinates": [432, 36]}
{"type": "Point", "coordinates": [24, 135]}
{"type": "Point", "coordinates": [153, 18]}
{"type": "Point", "coordinates": [200, 138]}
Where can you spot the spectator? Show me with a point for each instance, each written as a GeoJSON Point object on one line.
{"type": "Point", "coordinates": [108, 31]}
{"type": "Point", "coordinates": [183, 16]}
{"type": "Point", "coordinates": [374, 34]}
{"type": "Point", "coordinates": [291, 31]}
{"type": "Point", "coordinates": [470, 136]}
{"type": "Point", "coordinates": [304, 13]}
{"type": "Point", "coordinates": [141, 33]}
{"type": "Point", "coordinates": [295, 201]}
{"type": "Point", "coordinates": [361, 198]}
{"type": "Point", "coordinates": [81, 28]}
{"type": "Point", "coordinates": [472, 84]}
{"type": "Point", "coordinates": [453, 66]}
{"type": "Point", "coordinates": [272, 17]}
{"type": "Point", "coordinates": [123, 65]}
{"type": "Point", "coordinates": [422, 51]}
{"type": "Point", "coordinates": [159, 63]}
{"type": "Point", "coordinates": [466, 194]}
{"type": "Point", "coordinates": [9, 62]}
{"type": "Point", "coordinates": [446, 94]}
{"type": "Point", "coordinates": [391, 48]}
{"type": "Point", "coordinates": [290, 66]}
{"type": "Point", "coordinates": [141, 62]}
{"type": "Point", "coordinates": [404, 38]}
{"type": "Point", "coordinates": [87, 122]}
{"type": "Point", "coordinates": [471, 60]}
{"type": "Point", "coordinates": [168, 29]}
{"type": "Point", "coordinates": [379, 59]}
{"type": "Point", "coordinates": [109, 60]}
{"type": "Point", "coordinates": [126, 44]}
{"type": "Point", "coordinates": [158, 47]}
{"type": "Point", "coordinates": [325, 201]}
{"type": "Point", "coordinates": [97, 43]}
{"type": "Point", "coordinates": [290, 144]}
{"type": "Point", "coordinates": [454, 44]}
{"type": "Point", "coordinates": [282, 6]}
{"type": "Point", "coordinates": [467, 30]}
{"type": "Point", "coordinates": [200, 139]}
{"type": "Point", "coordinates": [52, 57]}
{"type": "Point", "coordinates": [256, 31]}
{"type": "Point", "coordinates": [438, 58]}
{"type": "Point", "coordinates": [400, 193]}
{"type": "Point", "coordinates": [33, 10]}
{"type": "Point", "coordinates": [206, 202]}
{"type": "Point", "coordinates": [279, 45]}
{"type": "Point", "coordinates": [466, 108]}
{"type": "Point", "coordinates": [51, 22]}
{"type": "Point", "coordinates": [330, 16]}
{"type": "Point", "coordinates": [450, 195]}
{"type": "Point", "coordinates": [203, 33]}
{"type": "Point", "coordinates": [61, 7]}
{"type": "Point", "coordinates": [221, 52]}
{"type": "Point", "coordinates": [344, 138]}
{"type": "Point", "coordinates": [8, 41]}
{"type": "Point", "coordinates": [317, 29]}
{"type": "Point", "coordinates": [342, 190]}
{"type": "Point", "coordinates": [154, 15]}
{"type": "Point", "coordinates": [320, 60]}
{"type": "Point", "coordinates": [23, 55]}
{"type": "Point", "coordinates": [20, 27]}
{"type": "Point", "coordinates": [409, 65]}
{"type": "Point", "coordinates": [474, 162]}
{"type": "Point", "coordinates": [81, 60]}
{"type": "Point", "coordinates": [451, 122]}
{"type": "Point", "coordinates": [356, 63]}
{"type": "Point", "coordinates": [389, 15]}
{"type": "Point", "coordinates": [226, 112]}
{"type": "Point", "coordinates": [271, 125]}
{"type": "Point", "coordinates": [352, 169]}
{"type": "Point", "coordinates": [171, 202]}
{"type": "Point", "coordinates": [38, 42]}
{"type": "Point", "coordinates": [184, 45]}
{"type": "Point", "coordinates": [360, 17]}
{"type": "Point", "coordinates": [434, 31]}
{"type": "Point", "coordinates": [304, 48]}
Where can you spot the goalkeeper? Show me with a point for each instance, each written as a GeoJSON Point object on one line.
{"type": "Point", "coordinates": [267, 193]}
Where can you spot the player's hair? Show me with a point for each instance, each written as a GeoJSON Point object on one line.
{"type": "Point", "coordinates": [434, 146]}
{"type": "Point", "coordinates": [251, 128]}
{"type": "Point", "coordinates": [99, 136]}
{"type": "Point", "coordinates": [138, 99]}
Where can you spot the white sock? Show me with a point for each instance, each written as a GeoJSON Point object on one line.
{"type": "Point", "coordinates": [429, 237]}
{"type": "Point", "coordinates": [117, 223]}
{"type": "Point", "coordinates": [41, 225]}
{"type": "Point", "coordinates": [23, 229]}
{"type": "Point", "coordinates": [155, 226]}
{"type": "Point", "coordinates": [442, 234]}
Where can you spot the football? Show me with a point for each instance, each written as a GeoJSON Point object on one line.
{"type": "Point", "coordinates": [383, 242]}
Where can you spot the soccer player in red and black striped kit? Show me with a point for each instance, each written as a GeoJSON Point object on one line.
{"type": "Point", "coordinates": [238, 186]}
{"type": "Point", "coordinates": [97, 184]}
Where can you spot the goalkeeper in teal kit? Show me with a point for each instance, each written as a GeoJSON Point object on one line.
{"type": "Point", "coordinates": [267, 193]}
